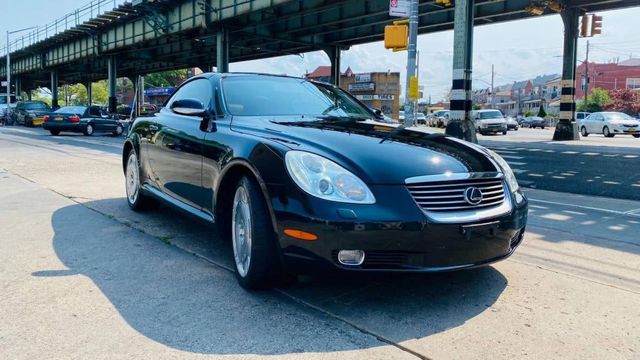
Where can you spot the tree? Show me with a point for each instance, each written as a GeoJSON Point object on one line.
{"type": "Point", "coordinates": [541, 112]}
{"type": "Point", "coordinates": [626, 101]}
{"type": "Point", "coordinates": [99, 93]}
{"type": "Point", "coordinates": [165, 78]}
{"type": "Point", "coordinates": [476, 107]}
{"type": "Point", "coordinates": [597, 100]}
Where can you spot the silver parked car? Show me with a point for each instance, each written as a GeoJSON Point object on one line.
{"type": "Point", "coordinates": [609, 124]}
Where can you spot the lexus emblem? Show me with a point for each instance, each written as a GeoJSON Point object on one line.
{"type": "Point", "coordinates": [473, 195]}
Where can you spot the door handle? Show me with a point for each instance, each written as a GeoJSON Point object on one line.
{"type": "Point", "coordinates": [153, 128]}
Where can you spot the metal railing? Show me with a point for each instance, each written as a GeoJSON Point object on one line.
{"type": "Point", "coordinates": [88, 11]}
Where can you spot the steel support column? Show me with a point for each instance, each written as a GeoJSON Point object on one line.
{"type": "Point", "coordinates": [112, 75]}
{"type": "Point", "coordinates": [89, 92]}
{"type": "Point", "coordinates": [335, 56]}
{"type": "Point", "coordinates": [567, 128]}
{"type": "Point", "coordinates": [222, 49]}
{"type": "Point", "coordinates": [29, 95]}
{"type": "Point", "coordinates": [460, 124]}
{"type": "Point", "coordinates": [54, 89]}
{"type": "Point", "coordinates": [18, 86]}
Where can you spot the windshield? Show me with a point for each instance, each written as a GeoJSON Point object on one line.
{"type": "Point", "coordinates": [490, 115]}
{"type": "Point", "coordinates": [272, 96]}
{"type": "Point", "coordinates": [618, 116]}
{"type": "Point", "coordinates": [34, 106]}
{"type": "Point", "coordinates": [71, 110]}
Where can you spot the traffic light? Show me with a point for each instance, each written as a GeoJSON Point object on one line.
{"type": "Point", "coordinates": [584, 26]}
{"type": "Point", "coordinates": [396, 36]}
{"type": "Point", "coordinates": [596, 25]}
{"type": "Point", "coordinates": [443, 2]}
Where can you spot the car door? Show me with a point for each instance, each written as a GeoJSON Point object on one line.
{"type": "Point", "coordinates": [174, 148]}
{"type": "Point", "coordinates": [94, 114]}
{"type": "Point", "coordinates": [596, 124]}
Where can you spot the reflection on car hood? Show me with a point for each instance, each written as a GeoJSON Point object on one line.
{"type": "Point", "coordinates": [379, 153]}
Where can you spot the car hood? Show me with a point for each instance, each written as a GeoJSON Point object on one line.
{"type": "Point", "coordinates": [378, 153]}
{"type": "Point", "coordinates": [626, 122]}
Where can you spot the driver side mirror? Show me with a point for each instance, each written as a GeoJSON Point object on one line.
{"type": "Point", "coordinates": [378, 113]}
{"type": "Point", "coordinates": [188, 107]}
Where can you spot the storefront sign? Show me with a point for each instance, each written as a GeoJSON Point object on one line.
{"type": "Point", "coordinates": [362, 78]}
{"type": "Point", "coordinates": [362, 87]}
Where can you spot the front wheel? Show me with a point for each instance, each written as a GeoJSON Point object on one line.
{"type": "Point", "coordinates": [118, 131]}
{"type": "Point", "coordinates": [135, 198]}
{"type": "Point", "coordinates": [636, 135]}
{"type": "Point", "coordinates": [583, 131]}
{"type": "Point", "coordinates": [88, 131]}
{"type": "Point", "coordinates": [504, 133]}
{"type": "Point", "coordinates": [254, 242]}
{"type": "Point", "coordinates": [55, 132]}
{"type": "Point", "coordinates": [607, 133]}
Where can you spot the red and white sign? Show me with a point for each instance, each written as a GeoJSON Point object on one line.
{"type": "Point", "coordinates": [400, 8]}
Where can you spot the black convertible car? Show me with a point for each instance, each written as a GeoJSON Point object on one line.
{"type": "Point", "coordinates": [302, 175]}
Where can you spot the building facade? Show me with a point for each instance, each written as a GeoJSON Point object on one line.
{"type": "Point", "coordinates": [612, 76]}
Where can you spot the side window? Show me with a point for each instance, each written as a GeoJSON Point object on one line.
{"type": "Point", "coordinates": [200, 89]}
{"type": "Point", "coordinates": [94, 111]}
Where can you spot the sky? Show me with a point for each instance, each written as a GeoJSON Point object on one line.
{"type": "Point", "coordinates": [519, 50]}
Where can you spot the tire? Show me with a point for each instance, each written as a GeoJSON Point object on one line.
{"type": "Point", "coordinates": [607, 133]}
{"type": "Point", "coordinates": [583, 131]}
{"type": "Point", "coordinates": [253, 239]}
{"type": "Point", "coordinates": [504, 133]}
{"type": "Point", "coordinates": [636, 135]}
{"type": "Point", "coordinates": [54, 132]}
{"type": "Point", "coordinates": [118, 131]}
{"type": "Point", "coordinates": [542, 127]}
{"type": "Point", "coordinates": [135, 198]}
{"type": "Point", "coordinates": [88, 131]}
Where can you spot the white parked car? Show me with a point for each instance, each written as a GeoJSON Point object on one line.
{"type": "Point", "coordinates": [489, 122]}
{"type": "Point", "coordinates": [609, 124]}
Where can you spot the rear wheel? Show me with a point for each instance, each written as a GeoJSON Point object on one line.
{"type": "Point", "coordinates": [254, 242]}
{"type": "Point", "coordinates": [636, 135]}
{"type": "Point", "coordinates": [583, 131]}
{"type": "Point", "coordinates": [88, 131]}
{"type": "Point", "coordinates": [606, 132]}
{"type": "Point", "coordinates": [55, 132]}
{"type": "Point", "coordinates": [135, 198]}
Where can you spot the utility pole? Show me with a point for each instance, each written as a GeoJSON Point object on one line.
{"type": "Point", "coordinates": [411, 62]}
{"type": "Point", "coordinates": [586, 75]}
{"type": "Point", "coordinates": [8, 80]}
{"type": "Point", "coordinates": [493, 91]}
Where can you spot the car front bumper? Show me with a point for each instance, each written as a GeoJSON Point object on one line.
{"type": "Point", "coordinates": [493, 130]}
{"type": "Point", "coordinates": [397, 236]}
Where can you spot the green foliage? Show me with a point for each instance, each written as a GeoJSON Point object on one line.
{"type": "Point", "coordinates": [541, 112]}
{"type": "Point", "coordinates": [597, 100]}
{"type": "Point", "coordinates": [165, 78]}
{"type": "Point", "coordinates": [476, 107]}
{"type": "Point", "coordinates": [529, 113]}
{"type": "Point", "coordinates": [78, 93]}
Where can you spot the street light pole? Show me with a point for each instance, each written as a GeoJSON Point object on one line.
{"type": "Point", "coordinates": [9, 67]}
{"type": "Point", "coordinates": [411, 62]}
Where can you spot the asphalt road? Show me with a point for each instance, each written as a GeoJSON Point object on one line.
{"type": "Point", "coordinates": [82, 276]}
{"type": "Point", "coordinates": [594, 165]}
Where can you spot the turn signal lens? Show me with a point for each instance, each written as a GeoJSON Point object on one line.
{"type": "Point", "coordinates": [300, 235]}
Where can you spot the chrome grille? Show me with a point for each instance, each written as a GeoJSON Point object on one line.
{"type": "Point", "coordinates": [448, 195]}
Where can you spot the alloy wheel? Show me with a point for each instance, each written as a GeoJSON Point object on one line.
{"type": "Point", "coordinates": [241, 231]}
{"type": "Point", "coordinates": [133, 179]}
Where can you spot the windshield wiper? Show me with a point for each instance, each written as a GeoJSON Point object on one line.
{"type": "Point", "coordinates": [335, 118]}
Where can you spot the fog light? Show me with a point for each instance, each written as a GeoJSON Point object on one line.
{"type": "Point", "coordinates": [351, 257]}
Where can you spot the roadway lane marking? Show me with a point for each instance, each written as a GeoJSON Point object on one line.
{"type": "Point", "coordinates": [519, 171]}
{"type": "Point", "coordinates": [628, 213]}
{"type": "Point", "coordinates": [505, 152]}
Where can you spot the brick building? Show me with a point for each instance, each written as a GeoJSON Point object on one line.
{"type": "Point", "coordinates": [622, 75]}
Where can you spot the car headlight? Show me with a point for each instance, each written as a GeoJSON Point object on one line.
{"type": "Point", "coordinates": [506, 170]}
{"type": "Point", "coordinates": [325, 179]}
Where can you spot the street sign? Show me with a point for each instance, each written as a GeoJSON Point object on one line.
{"type": "Point", "coordinates": [360, 78]}
{"type": "Point", "coordinates": [399, 8]}
{"type": "Point", "coordinates": [414, 93]}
